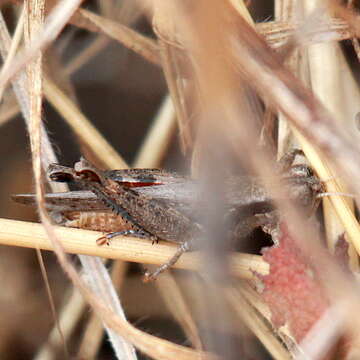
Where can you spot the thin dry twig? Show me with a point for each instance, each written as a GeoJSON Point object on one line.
{"type": "Point", "coordinates": [34, 21]}
{"type": "Point", "coordinates": [179, 308]}
{"type": "Point", "coordinates": [20, 90]}
{"type": "Point", "coordinates": [286, 141]}
{"type": "Point", "coordinates": [101, 285]}
{"type": "Point", "coordinates": [131, 39]}
{"type": "Point", "coordinates": [52, 27]}
{"type": "Point", "coordinates": [327, 69]}
{"type": "Point", "coordinates": [277, 33]}
{"type": "Point", "coordinates": [93, 334]}
{"type": "Point", "coordinates": [86, 55]}
{"type": "Point", "coordinates": [9, 110]}
{"type": "Point", "coordinates": [91, 339]}
{"type": "Point", "coordinates": [68, 319]}
{"type": "Point", "coordinates": [257, 324]}
{"type": "Point", "coordinates": [14, 46]}
{"type": "Point", "coordinates": [158, 137]}
{"type": "Point", "coordinates": [173, 64]}
{"type": "Point", "coordinates": [52, 303]}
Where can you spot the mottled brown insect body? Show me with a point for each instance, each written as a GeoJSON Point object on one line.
{"type": "Point", "coordinates": [95, 220]}
{"type": "Point", "coordinates": [159, 205]}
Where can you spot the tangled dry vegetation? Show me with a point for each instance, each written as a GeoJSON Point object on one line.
{"type": "Point", "coordinates": [236, 94]}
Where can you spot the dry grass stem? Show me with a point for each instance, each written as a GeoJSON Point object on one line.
{"type": "Point", "coordinates": [93, 333]}
{"type": "Point", "coordinates": [242, 9]}
{"type": "Point", "coordinates": [8, 111]}
{"type": "Point", "coordinates": [75, 241]}
{"type": "Point", "coordinates": [149, 344]}
{"type": "Point", "coordinates": [277, 33]}
{"type": "Point", "coordinates": [100, 283]}
{"type": "Point", "coordinates": [91, 339]}
{"type": "Point", "coordinates": [328, 91]}
{"type": "Point", "coordinates": [327, 68]}
{"type": "Point", "coordinates": [220, 69]}
{"type": "Point", "coordinates": [52, 27]}
{"type": "Point", "coordinates": [327, 88]}
{"type": "Point", "coordinates": [86, 55]}
{"type": "Point", "coordinates": [173, 65]}
{"type": "Point", "coordinates": [145, 47]}
{"type": "Point", "coordinates": [52, 304]}
{"type": "Point", "coordinates": [19, 86]}
{"type": "Point", "coordinates": [286, 141]}
{"type": "Point", "coordinates": [33, 24]}
{"type": "Point", "coordinates": [340, 203]}
{"type": "Point", "coordinates": [166, 284]}
{"type": "Point", "coordinates": [13, 47]}
{"type": "Point", "coordinates": [324, 334]}
{"type": "Point", "coordinates": [257, 324]}
{"type": "Point", "coordinates": [158, 137]}
{"type": "Point", "coordinates": [68, 320]}
{"type": "Point", "coordinates": [97, 276]}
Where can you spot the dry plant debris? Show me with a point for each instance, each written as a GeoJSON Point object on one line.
{"type": "Point", "coordinates": [239, 94]}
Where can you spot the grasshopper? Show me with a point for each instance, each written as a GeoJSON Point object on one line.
{"type": "Point", "coordinates": [156, 204]}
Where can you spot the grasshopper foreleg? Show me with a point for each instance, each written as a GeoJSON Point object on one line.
{"type": "Point", "coordinates": [106, 239]}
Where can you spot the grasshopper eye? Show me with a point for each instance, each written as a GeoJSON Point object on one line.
{"type": "Point", "coordinates": [60, 173]}
{"type": "Point", "coordinates": [61, 177]}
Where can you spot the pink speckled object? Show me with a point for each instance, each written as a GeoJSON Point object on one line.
{"type": "Point", "coordinates": [291, 290]}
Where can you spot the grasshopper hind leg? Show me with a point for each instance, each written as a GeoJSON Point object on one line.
{"type": "Point", "coordinates": [150, 276]}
